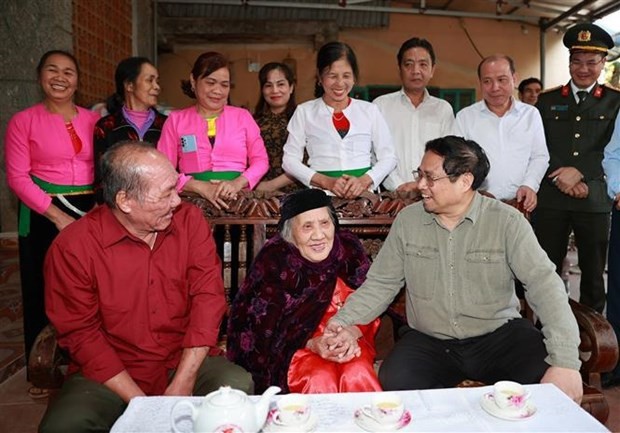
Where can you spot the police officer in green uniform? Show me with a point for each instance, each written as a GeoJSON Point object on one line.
{"type": "Point", "coordinates": [579, 119]}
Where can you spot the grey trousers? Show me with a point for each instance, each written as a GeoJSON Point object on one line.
{"type": "Point", "coordinates": [84, 406]}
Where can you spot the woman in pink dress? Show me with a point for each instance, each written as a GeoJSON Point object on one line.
{"type": "Point", "coordinates": [49, 167]}
{"type": "Point", "coordinates": [217, 147]}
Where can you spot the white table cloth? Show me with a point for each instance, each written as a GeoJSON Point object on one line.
{"type": "Point", "coordinates": [441, 410]}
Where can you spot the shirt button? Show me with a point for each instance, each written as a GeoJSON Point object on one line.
{"type": "Point", "coordinates": [575, 153]}
{"type": "Point", "coordinates": [578, 118]}
{"type": "Point", "coordinates": [577, 135]}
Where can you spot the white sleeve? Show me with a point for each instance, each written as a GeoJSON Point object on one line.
{"type": "Point", "coordinates": [383, 148]}
{"type": "Point", "coordinates": [292, 160]}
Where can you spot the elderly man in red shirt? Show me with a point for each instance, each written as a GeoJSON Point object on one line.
{"type": "Point", "coordinates": [134, 290]}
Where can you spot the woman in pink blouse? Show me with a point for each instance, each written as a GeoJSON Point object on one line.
{"type": "Point", "coordinates": [217, 147]}
{"type": "Point", "coordinates": [49, 166]}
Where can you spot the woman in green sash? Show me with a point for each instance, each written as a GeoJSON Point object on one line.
{"type": "Point", "coordinates": [49, 166]}
{"type": "Point", "coordinates": [216, 147]}
{"type": "Point", "coordinates": [349, 146]}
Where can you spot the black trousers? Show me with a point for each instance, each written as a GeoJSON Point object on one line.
{"type": "Point", "coordinates": [514, 351]}
{"type": "Point", "coordinates": [553, 227]}
{"type": "Point", "coordinates": [32, 250]}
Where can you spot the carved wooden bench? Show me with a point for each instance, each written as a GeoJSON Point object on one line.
{"type": "Point", "coordinates": [252, 218]}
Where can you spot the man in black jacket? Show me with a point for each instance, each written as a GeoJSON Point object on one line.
{"type": "Point", "coordinates": [579, 120]}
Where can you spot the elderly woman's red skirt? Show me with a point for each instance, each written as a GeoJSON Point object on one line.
{"type": "Point", "coordinates": [310, 374]}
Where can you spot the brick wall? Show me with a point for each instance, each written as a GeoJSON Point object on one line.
{"type": "Point", "coordinates": [102, 36]}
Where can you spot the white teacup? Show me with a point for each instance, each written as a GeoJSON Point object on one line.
{"type": "Point", "coordinates": [292, 410]}
{"type": "Point", "coordinates": [510, 395]}
{"type": "Point", "coordinates": [385, 408]}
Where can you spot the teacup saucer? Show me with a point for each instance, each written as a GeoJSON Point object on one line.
{"type": "Point", "coordinates": [370, 424]}
{"type": "Point", "coordinates": [308, 426]}
{"type": "Point", "coordinates": [488, 404]}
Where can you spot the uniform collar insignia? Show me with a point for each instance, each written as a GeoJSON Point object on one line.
{"type": "Point", "coordinates": [565, 90]}
{"type": "Point", "coordinates": [598, 91]}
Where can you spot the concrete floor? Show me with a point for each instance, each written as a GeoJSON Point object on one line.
{"type": "Point", "coordinates": [18, 412]}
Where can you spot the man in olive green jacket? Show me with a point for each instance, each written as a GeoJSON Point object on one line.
{"type": "Point", "coordinates": [459, 252]}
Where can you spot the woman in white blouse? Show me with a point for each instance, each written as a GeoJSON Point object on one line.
{"type": "Point", "coordinates": [348, 142]}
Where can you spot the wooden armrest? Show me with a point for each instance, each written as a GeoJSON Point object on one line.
{"type": "Point", "coordinates": [599, 347]}
{"type": "Point", "coordinates": [46, 359]}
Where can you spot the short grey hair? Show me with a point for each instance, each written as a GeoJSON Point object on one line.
{"type": "Point", "coordinates": [121, 170]}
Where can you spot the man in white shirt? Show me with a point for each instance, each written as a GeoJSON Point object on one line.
{"type": "Point", "coordinates": [510, 132]}
{"type": "Point", "coordinates": [413, 115]}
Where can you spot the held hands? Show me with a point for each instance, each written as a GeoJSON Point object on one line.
{"type": "Point", "coordinates": [580, 190]}
{"type": "Point", "coordinates": [208, 190]}
{"type": "Point", "coordinates": [566, 178]}
{"type": "Point", "coordinates": [347, 186]}
{"type": "Point", "coordinates": [228, 189]}
{"type": "Point", "coordinates": [320, 346]}
{"type": "Point", "coordinates": [218, 192]}
{"type": "Point", "coordinates": [342, 341]}
{"type": "Point", "coordinates": [568, 380]}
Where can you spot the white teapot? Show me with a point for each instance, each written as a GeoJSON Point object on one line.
{"type": "Point", "coordinates": [228, 410]}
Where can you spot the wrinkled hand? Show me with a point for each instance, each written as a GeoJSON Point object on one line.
{"type": "Point", "coordinates": [568, 380]}
{"type": "Point", "coordinates": [320, 346]}
{"type": "Point", "coordinates": [342, 341]}
{"type": "Point", "coordinates": [332, 328]}
{"type": "Point", "coordinates": [565, 178]}
{"type": "Point", "coordinates": [527, 197]}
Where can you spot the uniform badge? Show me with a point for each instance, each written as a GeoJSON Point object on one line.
{"type": "Point", "coordinates": [584, 36]}
{"type": "Point", "coordinates": [598, 92]}
{"type": "Point", "coordinates": [559, 108]}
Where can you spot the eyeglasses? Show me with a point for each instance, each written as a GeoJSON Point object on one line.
{"type": "Point", "coordinates": [430, 180]}
{"type": "Point", "coordinates": [590, 64]}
